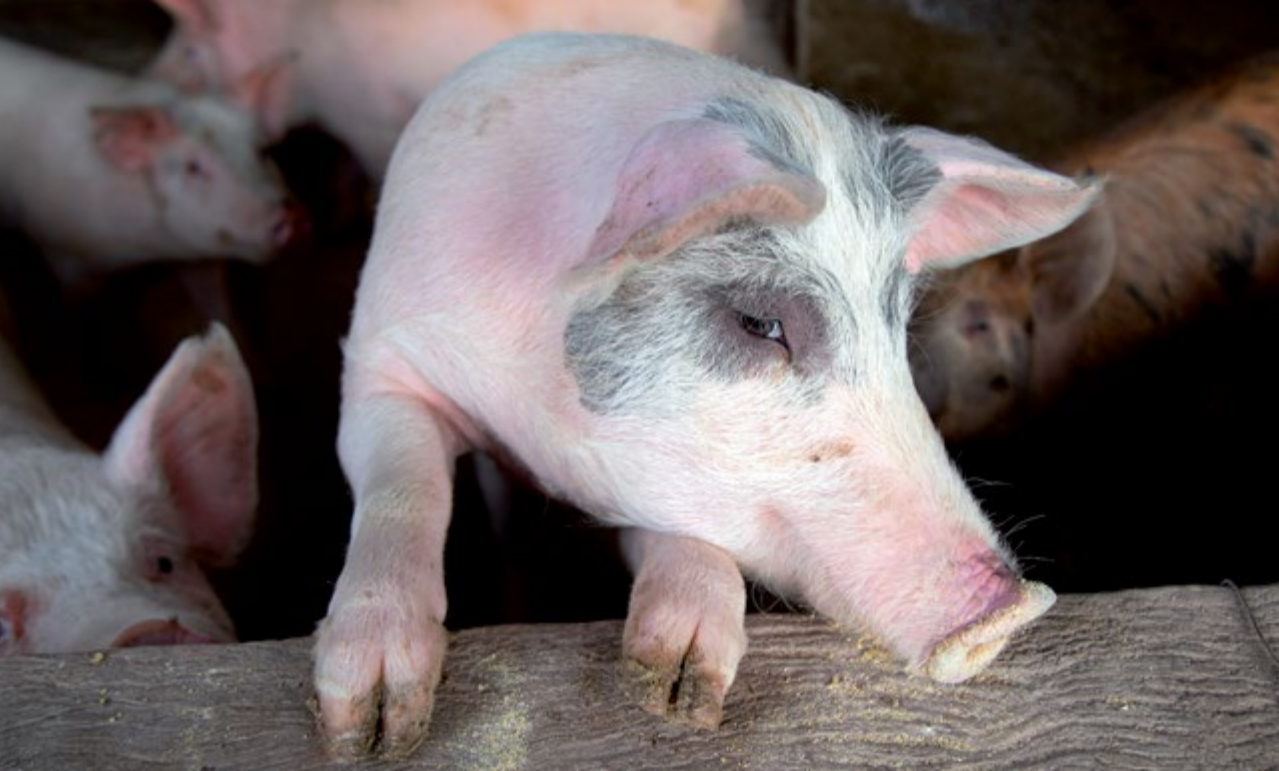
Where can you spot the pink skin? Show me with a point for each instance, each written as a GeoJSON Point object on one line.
{"type": "Point", "coordinates": [465, 335]}
{"type": "Point", "coordinates": [312, 58]}
{"type": "Point", "coordinates": [116, 171]}
{"type": "Point", "coordinates": [110, 549]}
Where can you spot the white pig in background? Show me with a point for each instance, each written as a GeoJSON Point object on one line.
{"type": "Point", "coordinates": [103, 170]}
{"type": "Point", "coordinates": [359, 68]}
{"type": "Point", "coordinates": [675, 292]}
{"type": "Point", "coordinates": [108, 549]}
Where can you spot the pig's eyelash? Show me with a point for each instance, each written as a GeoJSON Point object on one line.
{"type": "Point", "coordinates": [766, 328]}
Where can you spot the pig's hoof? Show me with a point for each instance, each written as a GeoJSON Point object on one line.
{"type": "Point", "coordinates": [375, 684]}
{"type": "Point", "coordinates": [679, 662]}
{"type": "Point", "coordinates": [971, 649]}
{"type": "Point", "coordinates": [688, 692]}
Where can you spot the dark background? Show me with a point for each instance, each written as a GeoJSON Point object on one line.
{"type": "Point", "coordinates": [1163, 473]}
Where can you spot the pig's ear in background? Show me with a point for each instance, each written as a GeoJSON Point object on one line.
{"type": "Point", "coordinates": [195, 16]}
{"type": "Point", "coordinates": [985, 201]}
{"type": "Point", "coordinates": [265, 92]}
{"type": "Point", "coordinates": [687, 178]}
{"type": "Point", "coordinates": [128, 137]}
{"type": "Point", "coordinates": [193, 436]}
{"type": "Point", "coordinates": [1071, 268]}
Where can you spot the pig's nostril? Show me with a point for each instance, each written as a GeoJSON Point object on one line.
{"type": "Point", "coordinates": [159, 632]}
{"type": "Point", "coordinates": [290, 226]}
{"type": "Point", "coordinates": [971, 648]}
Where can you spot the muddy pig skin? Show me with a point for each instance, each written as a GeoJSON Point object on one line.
{"type": "Point", "coordinates": [674, 291]}
{"type": "Point", "coordinates": [109, 549]}
{"type": "Point", "coordinates": [104, 171]}
{"type": "Point", "coordinates": [360, 68]}
{"type": "Point", "coordinates": [1189, 221]}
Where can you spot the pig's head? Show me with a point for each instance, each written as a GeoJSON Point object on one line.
{"type": "Point", "coordinates": [232, 48]}
{"type": "Point", "coordinates": [993, 339]}
{"type": "Point", "coordinates": [213, 193]}
{"type": "Point", "coordinates": [740, 370]}
{"type": "Point", "coordinates": [110, 550]}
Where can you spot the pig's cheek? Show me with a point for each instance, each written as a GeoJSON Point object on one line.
{"type": "Point", "coordinates": [168, 565]}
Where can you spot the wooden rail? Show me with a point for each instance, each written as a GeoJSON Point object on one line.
{"type": "Point", "coordinates": [1161, 679]}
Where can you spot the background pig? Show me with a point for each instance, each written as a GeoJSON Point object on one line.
{"type": "Point", "coordinates": [359, 69]}
{"type": "Point", "coordinates": [674, 291]}
{"type": "Point", "coordinates": [103, 170]}
{"type": "Point", "coordinates": [1189, 223]}
{"type": "Point", "coordinates": [102, 549]}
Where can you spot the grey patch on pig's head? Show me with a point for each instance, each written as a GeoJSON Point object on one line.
{"type": "Point", "coordinates": [908, 172]}
{"type": "Point", "coordinates": [671, 324]}
{"type": "Point", "coordinates": [772, 139]}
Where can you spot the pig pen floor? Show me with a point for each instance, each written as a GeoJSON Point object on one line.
{"type": "Point", "coordinates": [1166, 475]}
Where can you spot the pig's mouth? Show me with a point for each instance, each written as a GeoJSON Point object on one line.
{"type": "Point", "coordinates": [159, 632]}
{"type": "Point", "coordinates": [969, 650]}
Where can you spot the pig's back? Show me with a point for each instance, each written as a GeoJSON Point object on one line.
{"type": "Point", "coordinates": [34, 76]}
{"type": "Point", "coordinates": [506, 171]}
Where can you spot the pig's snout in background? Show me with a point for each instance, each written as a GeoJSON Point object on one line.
{"type": "Point", "coordinates": [291, 228]}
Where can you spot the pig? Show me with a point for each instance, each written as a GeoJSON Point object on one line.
{"type": "Point", "coordinates": [102, 549]}
{"type": "Point", "coordinates": [673, 291]}
{"type": "Point", "coordinates": [1189, 221]}
{"type": "Point", "coordinates": [106, 171]}
{"type": "Point", "coordinates": [359, 69]}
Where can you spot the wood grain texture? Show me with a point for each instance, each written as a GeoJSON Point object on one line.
{"type": "Point", "coordinates": [1160, 679]}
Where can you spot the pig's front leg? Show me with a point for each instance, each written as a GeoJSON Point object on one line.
{"type": "Point", "coordinates": [686, 627]}
{"type": "Point", "coordinates": [380, 650]}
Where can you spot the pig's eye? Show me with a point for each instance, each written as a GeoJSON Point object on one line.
{"type": "Point", "coordinates": [769, 329]}
{"type": "Point", "coordinates": [164, 566]}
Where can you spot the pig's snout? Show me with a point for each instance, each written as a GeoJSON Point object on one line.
{"type": "Point", "coordinates": [291, 227]}
{"type": "Point", "coordinates": [1004, 605]}
{"type": "Point", "coordinates": [159, 632]}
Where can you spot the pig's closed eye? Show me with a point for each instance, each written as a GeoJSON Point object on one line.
{"type": "Point", "coordinates": [768, 329]}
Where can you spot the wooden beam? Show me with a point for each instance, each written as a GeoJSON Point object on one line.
{"type": "Point", "coordinates": [1161, 679]}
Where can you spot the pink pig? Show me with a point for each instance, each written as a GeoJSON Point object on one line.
{"type": "Point", "coordinates": [360, 68]}
{"type": "Point", "coordinates": [108, 549]}
{"type": "Point", "coordinates": [103, 170]}
{"type": "Point", "coordinates": [675, 292]}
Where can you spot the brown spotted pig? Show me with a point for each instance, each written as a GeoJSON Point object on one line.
{"type": "Point", "coordinates": [1189, 220]}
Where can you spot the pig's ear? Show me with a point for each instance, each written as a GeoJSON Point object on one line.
{"type": "Point", "coordinates": [128, 137]}
{"type": "Point", "coordinates": [265, 92]}
{"type": "Point", "coordinates": [985, 201]}
{"type": "Point", "coordinates": [194, 433]}
{"type": "Point", "coordinates": [1071, 268]}
{"type": "Point", "coordinates": [687, 178]}
{"type": "Point", "coordinates": [195, 16]}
